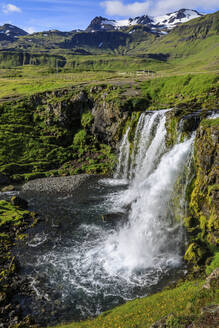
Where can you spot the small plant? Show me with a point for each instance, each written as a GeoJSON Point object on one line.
{"type": "Point", "coordinates": [86, 119]}
{"type": "Point", "coordinates": [79, 138]}
{"type": "Point", "coordinates": [213, 265]}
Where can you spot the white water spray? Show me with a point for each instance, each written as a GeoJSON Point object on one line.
{"type": "Point", "coordinates": [125, 262]}
{"type": "Point", "coordinates": [149, 238]}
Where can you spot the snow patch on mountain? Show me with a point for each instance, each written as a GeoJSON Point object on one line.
{"type": "Point", "coordinates": [165, 22]}
{"type": "Point", "coordinates": [172, 19]}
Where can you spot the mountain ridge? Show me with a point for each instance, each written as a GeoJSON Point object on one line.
{"type": "Point", "coordinates": [158, 23]}
{"type": "Point", "coordinates": [195, 42]}
{"type": "Point", "coordinates": [99, 23]}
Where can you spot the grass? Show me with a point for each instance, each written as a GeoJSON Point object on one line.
{"type": "Point", "coordinates": [184, 302]}
{"type": "Point", "coordinates": [213, 265]}
{"type": "Point", "coordinates": [10, 214]}
{"type": "Point", "coordinates": [179, 89]}
{"type": "Point", "coordinates": [32, 140]}
{"type": "Point", "coordinates": [28, 80]}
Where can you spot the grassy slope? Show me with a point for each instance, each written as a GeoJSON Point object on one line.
{"type": "Point", "coordinates": [184, 302]}
{"type": "Point", "coordinates": [193, 45]}
{"type": "Point", "coordinates": [28, 80]}
{"type": "Point", "coordinates": [31, 146]}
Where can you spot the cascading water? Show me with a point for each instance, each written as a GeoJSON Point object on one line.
{"type": "Point", "coordinates": [103, 265]}
{"type": "Point", "coordinates": [149, 237]}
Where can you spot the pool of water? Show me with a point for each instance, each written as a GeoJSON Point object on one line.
{"type": "Point", "coordinates": [69, 259]}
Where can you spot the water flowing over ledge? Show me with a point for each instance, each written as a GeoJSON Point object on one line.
{"type": "Point", "coordinates": [93, 265]}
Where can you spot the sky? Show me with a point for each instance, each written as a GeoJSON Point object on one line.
{"type": "Point", "coordinates": [66, 15]}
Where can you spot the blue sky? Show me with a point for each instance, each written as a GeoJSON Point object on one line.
{"type": "Point", "coordinates": [66, 15]}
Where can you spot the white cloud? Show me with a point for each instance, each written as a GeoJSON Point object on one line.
{"type": "Point", "coordinates": [30, 30]}
{"type": "Point", "coordinates": [9, 8]}
{"type": "Point", "coordinates": [119, 9]}
{"type": "Point", "coordinates": [164, 6]}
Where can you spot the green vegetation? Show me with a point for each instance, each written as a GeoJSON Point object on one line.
{"type": "Point", "coordinates": [202, 224]}
{"type": "Point", "coordinates": [213, 265]}
{"type": "Point", "coordinates": [52, 133]}
{"type": "Point", "coordinates": [53, 139]}
{"type": "Point", "coordinates": [183, 302]}
{"type": "Point", "coordinates": [11, 215]}
{"type": "Point", "coordinates": [182, 89]}
{"type": "Point", "coordinates": [29, 80]}
{"type": "Point", "coordinates": [14, 221]}
{"type": "Point", "coordinates": [193, 44]}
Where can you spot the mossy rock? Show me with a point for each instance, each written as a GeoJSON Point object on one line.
{"type": "Point", "coordinates": [196, 254]}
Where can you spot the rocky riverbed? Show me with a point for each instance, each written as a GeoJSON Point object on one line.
{"type": "Point", "coordinates": [63, 185]}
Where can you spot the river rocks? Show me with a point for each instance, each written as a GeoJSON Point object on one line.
{"type": "Point", "coordinates": [57, 185]}
{"type": "Point", "coordinates": [114, 218]}
{"type": "Point", "coordinates": [19, 202]}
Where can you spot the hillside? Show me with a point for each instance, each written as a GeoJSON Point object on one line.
{"type": "Point", "coordinates": [179, 46]}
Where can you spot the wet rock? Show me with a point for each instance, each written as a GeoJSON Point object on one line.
{"type": "Point", "coordinates": [60, 185]}
{"type": "Point", "coordinates": [190, 122]}
{"type": "Point", "coordinates": [20, 202]}
{"type": "Point", "coordinates": [114, 217]}
{"type": "Point", "coordinates": [212, 280]}
{"type": "Point", "coordinates": [8, 188]}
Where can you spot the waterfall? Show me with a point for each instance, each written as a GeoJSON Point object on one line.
{"type": "Point", "coordinates": [104, 263]}
{"type": "Point", "coordinates": [123, 161]}
{"type": "Point", "coordinates": [149, 143]}
{"type": "Point", "coordinates": [150, 238]}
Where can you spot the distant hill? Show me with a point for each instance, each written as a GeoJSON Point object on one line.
{"type": "Point", "coordinates": [10, 32]}
{"type": "Point", "coordinates": [184, 36]}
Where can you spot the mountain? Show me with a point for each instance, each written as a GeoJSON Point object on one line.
{"type": "Point", "coordinates": [10, 32]}
{"type": "Point", "coordinates": [156, 24]}
{"type": "Point", "coordinates": [106, 33]}
{"type": "Point", "coordinates": [166, 40]}
{"type": "Point", "coordinates": [171, 20]}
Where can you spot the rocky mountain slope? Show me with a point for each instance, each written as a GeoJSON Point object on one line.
{"type": "Point", "coordinates": [98, 34]}
{"type": "Point", "coordinates": [10, 33]}
{"type": "Point", "coordinates": [193, 44]}
{"type": "Point", "coordinates": [155, 24]}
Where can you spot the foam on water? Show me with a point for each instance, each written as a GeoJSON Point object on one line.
{"type": "Point", "coordinates": [105, 262]}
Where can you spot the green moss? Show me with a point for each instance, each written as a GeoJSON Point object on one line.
{"type": "Point", "coordinates": [196, 254]}
{"type": "Point", "coordinates": [210, 122]}
{"type": "Point", "coordinates": [86, 119]}
{"type": "Point", "coordinates": [80, 138]}
{"type": "Point", "coordinates": [8, 214]}
{"type": "Point", "coordinates": [213, 265]}
{"type": "Point", "coordinates": [172, 131]}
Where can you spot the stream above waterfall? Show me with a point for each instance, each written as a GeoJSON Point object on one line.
{"type": "Point", "coordinates": [112, 239]}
